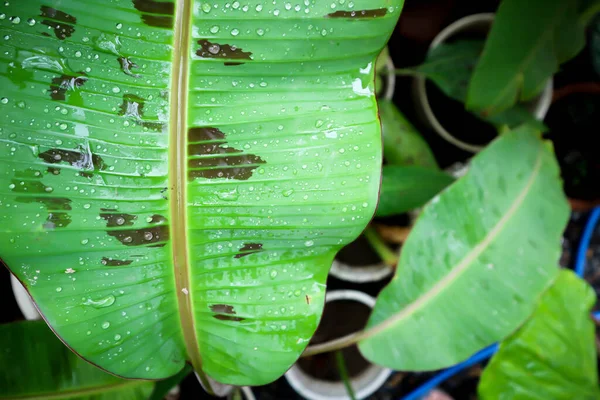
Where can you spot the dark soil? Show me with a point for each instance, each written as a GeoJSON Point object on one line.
{"type": "Point", "coordinates": [358, 254]}
{"type": "Point", "coordinates": [455, 119]}
{"type": "Point", "coordinates": [340, 318]}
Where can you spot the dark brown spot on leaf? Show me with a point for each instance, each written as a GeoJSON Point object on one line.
{"type": "Point", "coordinates": [65, 83]}
{"type": "Point", "coordinates": [156, 13]}
{"type": "Point", "coordinates": [223, 51]}
{"type": "Point", "coordinates": [307, 299]}
{"type": "Point", "coordinates": [116, 220]}
{"type": "Point", "coordinates": [54, 170]}
{"type": "Point", "coordinates": [51, 203]}
{"type": "Point", "coordinates": [225, 162]}
{"type": "Point", "coordinates": [228, 318]}
{"type": "Point", "coordinates": [249, 248]}
{"type": "Point", "coordinates": [85, 160]}
{"type": "Point", "coordinates": [231, 64]}
{"type": "Point", "coordinates": [133, 106]}
{"type": "Point", "coordinates": [127, 65]}
{"type": "Point", "coordinates": [57, 220]}
{"type": "Point", "coordinates": [109, 262]}
{"type": "Point", "coordinates": [61, 22]}
{"type": "Point", "coordinates": [221, 309]}
{"type": "Point", "coordinates": [155, 236]}
{"type": "Point", "coordinates": [163, 193]}
{"type": "Point", "coordinates": [30, 187]}
{"type": "Point", "coordinates": [375, 13]}
{"type": "Point", "coordinates": [108, 209]}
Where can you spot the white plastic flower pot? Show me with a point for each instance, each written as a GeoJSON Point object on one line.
{"type": "Point", "coordinates": [364, 384]}
{"type": "Point", "coordinates": [477, 23]}
{"type": "Point", "coordinates": [360, 274]}
{"type": "Point", "coordinates": [24, 302]}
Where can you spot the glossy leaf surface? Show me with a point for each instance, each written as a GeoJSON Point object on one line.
{"type": "Point", "coordinates": [176, 177]}
{"type": "Point", "coordinates": [553, 356]}
{"type": "Point", "coordinates": [476, 261]}
{"type": "Point", "coordinates": [34, 364]}
{"type": "Point", "coordinates": [402, 143]}
{"type": "Point", "coordinates": [527, 43]}
{"type": "Point", "coordinates": [409, 187]}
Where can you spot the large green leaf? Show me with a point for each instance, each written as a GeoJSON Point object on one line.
{"type": "Point", "coordinates": [34, 364]}
{"type": "Point", "coordinates": [402, 143]}
{"type": "Point", "coordinates": [176, 177]}
{"type": "Point", "coordinates": [404, 188]}
{"type": "Point", "coordinates": [527, 43]}
{"type": "Point", "coordinates": [476, 261]}
{"type": "Point", "coordinates": [553, 356]}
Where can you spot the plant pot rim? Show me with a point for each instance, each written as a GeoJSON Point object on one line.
{"type": "Point", "coordinates": [24, 301]}
{"type": "Point", "coordinates": [365, 384]}
{"type": "Point", "coordinates": [360, 273]}
{"type": "Point", "coordinates": [541, 105]}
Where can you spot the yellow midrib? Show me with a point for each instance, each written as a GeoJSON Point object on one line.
{"type": "Point", "coordinates": [177, 180]}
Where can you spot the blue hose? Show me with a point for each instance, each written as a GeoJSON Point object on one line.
{"type": "Point", "coordinates": [584, 243]}
{"type": "Point", "coordinates": [488, 352]}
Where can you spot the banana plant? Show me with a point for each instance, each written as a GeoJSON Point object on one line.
{"type": "Point", "coordinates": [176, 176]}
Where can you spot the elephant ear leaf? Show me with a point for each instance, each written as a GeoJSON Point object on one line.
{"type": "Point", "coordinates": [34, 364]}
{"type": "Point", "coordinates": [176, 177]}
{"type": "Point", "coordinates": [553, 355]}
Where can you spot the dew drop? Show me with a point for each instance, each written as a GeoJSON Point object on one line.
{"type": "Point", "coordinates": [235, 32]}
{"type": "Point", "coordinates": [105, 325]}
{"type": "Point", "coordinates": [214, 29]}
{"type": "Point", "coordinates": [100, 303]}
{"type": "Point", "coordinates": [309, 243]}
{"type": "Point", "coordinates": [117, 337]}
{"type": "Point", "coordinates": [59, 289]}
{"type": "Point", "coordinates": [206, 7]}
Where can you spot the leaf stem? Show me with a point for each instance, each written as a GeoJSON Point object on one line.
{"type": "Point", "coordinates": [406, 72]}
{"type": "Point", "coordinates": [339, 357]}
{"type": "Point", "coordinates": [383, 251]}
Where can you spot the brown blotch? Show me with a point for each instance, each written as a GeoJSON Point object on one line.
{"type": "Point", "coordinates": [57, 220]}
{"type": "Point", "coordinates": [133, 106]}
{"type": "Point", "coordinates": [28, 173]}
{"type": "Point", "coordinates": [230, 64]}
{"type": "Point", "coordinates": [237, 165]}
{"type": "Point", "coordinates": [127, 65]}
{"type": "Point", "coordinates": [61, 22]}
{"type": "Point", "coordinates": [226, 309]}
{"type": "Point", "coordinates": [86, 161]}
{"type": "Point", "coordinates": [155, 236]}
{"type": "Point", "coordinates": [54, 170]}
{"type": "Point", "coordinates": [308, 299]}
{"type": "Point", "coordinates": [64, 83]}
{"type": "Point", "coordinates": [149, 9]}
{"type": "Point", "coordinates": [30, 187]}
{"type": "Point", "coordinates": [109, 262]}
{"type": "Point", "coordinates": [249, 248]}
{"type": "Point", "coordinates": [375, 13]}
{"type": "Point", "coordinates": [116, 220]}
{"type": "Point", "coordinates": [51, 203]}
{"type": "Point", "coordinates": [108, 209]}
{"type": "Point", "coordinates": [224, 51]}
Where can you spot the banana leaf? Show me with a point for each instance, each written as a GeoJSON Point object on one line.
{"type": "Point", "coordinates": [34, 364]}
{"type": "Point", "coordinates": [177, 176]}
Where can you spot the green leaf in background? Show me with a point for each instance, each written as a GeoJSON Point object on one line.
{"type": "Point", "coordinates": [162, 388]}
{"type": "Point", "coordinates": [476, 261]}
{"type": "Point", "coordinates": [527, 43]}
{"type": "Point", "coordinates": [450, 66]}
{"type": "Point", "coordinates": [595, 43]}
{"type": "Point", "coordinates": [177, 176]}
{"type": "Point", "coordinates": [402, 143]}
{"type": "Point", "coordinates": [34, 364]}
{"type": "Point", "coordinates": [552, 356]}
{"type": "Point", "coordinates": [404, 188]}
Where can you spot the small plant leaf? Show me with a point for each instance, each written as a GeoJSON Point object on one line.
{"type": "Point", "coordinates": [34, 364]}
{"type": "Point", "coordinates": [528, 42]}
{"type": "Point", "coordinates": [402, 143]}
{"type": "Point", "coordinates": [406, 188]}
{"type": "Point", "coordinates": [552, 356]}
{"type": "Point", "coordinates": [450, 66]}
{"type": "Point", "coordinates": [476, 261]}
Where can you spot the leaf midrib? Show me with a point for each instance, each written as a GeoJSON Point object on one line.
{"type": "Point", "coordinates": [177, 180]}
